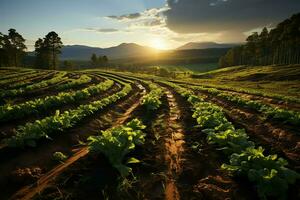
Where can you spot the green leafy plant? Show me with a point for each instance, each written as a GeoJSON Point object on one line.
{"type": "Point", "coordinates": [14, 92]}
{"type": "Point", "coordinates": [28, 134]}
{"type": "Point", "coordinates": [152, 99]}
{"type": "Point", "coordinates": [117, 142]}
{"type": "Point", "coordinates": [287, 116]}
{"type": "Point", "coordinates": [268, 172]}
{"type": "Point", "coordinates": [9, 112]}
{"type": "Point", "coordinates": [59, 156]}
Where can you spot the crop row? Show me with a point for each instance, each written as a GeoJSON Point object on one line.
{"type": "Point", "coordinates": [289, 99]}
{"type": "Point", "coordinates": [27, 80]}
{"type": "Point", "coordinates": [22, 78]}
{"type": "Point", "coordinates": [152, 99]}
{"type": "Point", "coordinates": [83, 79]}
{"type": "Point", "coordinates": [117, 142]}
{"type": "Point", "coordinates": [9, 112]}
{"type": "Point", "coordinates": [287, 116]}
{"type": "Point", "coordinates": [28, 134]}
{"type": "Point", "coordinates": [16, 74]}
{"type": "Point", "coordinates": [14, 92]}
{"type": "Point", "coordinates": [268, 172]}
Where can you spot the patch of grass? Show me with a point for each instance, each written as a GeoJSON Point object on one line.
{"type": "Point", "coordinates": [269, 80]}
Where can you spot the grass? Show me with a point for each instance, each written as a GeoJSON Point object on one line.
{"type": "Point", "coordinates": [195, 68]}
{"type": "Point", "coordinates": [273, 80]}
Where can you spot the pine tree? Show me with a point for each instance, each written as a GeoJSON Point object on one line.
{"type": "Point", "coordinates": [53, 45]}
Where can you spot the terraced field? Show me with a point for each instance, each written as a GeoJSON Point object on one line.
{"type": "Point", "coordinates": [107, 135]}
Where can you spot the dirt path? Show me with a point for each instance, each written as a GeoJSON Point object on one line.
{"type": "Point", "coordinates": [28, 192]}
{"type": "Point", "coordinates": [173, 148]}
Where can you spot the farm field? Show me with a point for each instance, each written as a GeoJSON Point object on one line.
{"type": "Point", "coordinates": [93, 134]}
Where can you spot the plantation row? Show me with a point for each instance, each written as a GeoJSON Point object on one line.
{"type": "Point", "coordinates": [279, 97]}
{"type": "Point", "coordinates": [23, 80]}
{"type": "Point", "coordinates": [117, 143]}
{"type": "Point", "coordinates": [269, 173]}
{"type": "Point", "coordinates": [14, 75]}
{"type": "Point", "coordinates": [9, 112]}
{"type": "Point", "coordinates": [14, 92]}
{"type": "Point", "coordinates": [276, 113]}
{"type": "Point", "coordinates": [31, 132]}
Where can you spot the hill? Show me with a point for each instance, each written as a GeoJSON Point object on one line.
{"type": "Point", "coordinates": [175, 57]}
{"type": "Point", "coordinates": [272, 79]}
{"type": "Point", "coordinates": [205, 45]}
{"type": "Point", "coordinates": [80, 52]}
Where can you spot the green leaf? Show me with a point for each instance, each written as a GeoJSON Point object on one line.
{"type": "Point", "coordinates": [132, 160]}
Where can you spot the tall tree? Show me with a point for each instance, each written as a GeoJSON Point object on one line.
{"type": "Point", "coordinates": [17, 46]}
{"type": "Point", "coordinates": [53, 45]}
{"type": "Point", "coordinates": [41, 57]}
{"type": "Point", "coordinates": [105, 60]}
{"type": "Point", "coordinates": [3, 52]}
{"type": "Point", "coordinates": [263, 46]}
{"type": "Point", "coordinates": [94, 59]}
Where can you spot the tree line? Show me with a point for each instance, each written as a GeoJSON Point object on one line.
{"type": "Point", "coordinates": [280, 45]}
{"type": "Point", "coordinates": [47, 50]}
{"type": "Point", "coordinates": [99, 61]}
{"type": "Point", "coordinates": [12, 50]}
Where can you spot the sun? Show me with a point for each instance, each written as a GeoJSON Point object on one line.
{"type": "Point", "coordinates": [158, 43]}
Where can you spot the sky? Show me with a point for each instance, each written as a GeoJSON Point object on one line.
{"type": "Point", "coordinates": [162, 24]}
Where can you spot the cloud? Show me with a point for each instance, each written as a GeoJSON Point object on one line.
{"type": "Point", "coordinates": [103, 30]}
{"type": "Point", "coordinates": [125, 17]}
{"type": "Point", "coordinates": [149, 17]}
{"type": "Point", "coordinates": [195, 16]}
{"type": "Point", "coordinates": [207, 20]}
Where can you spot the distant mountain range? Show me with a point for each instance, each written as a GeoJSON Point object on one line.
{"type": "Point", "coordinates": [205, 45]}
{"type": "Point", "coordinates": [129, 50]}
{"type": "Point", "coordinates": [124, 50]}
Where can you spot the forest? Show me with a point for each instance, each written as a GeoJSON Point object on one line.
{"type": "Point", "coordinates": [280, 45]}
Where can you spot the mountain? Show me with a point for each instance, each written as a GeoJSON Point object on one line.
{"type": "Point", "coordinates": [205, 45]}
{"type": "Point", "coordinates": [124, 50]}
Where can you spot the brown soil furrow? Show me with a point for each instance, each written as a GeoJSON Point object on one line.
{"type": "Point", "coordinates": [173, 148]}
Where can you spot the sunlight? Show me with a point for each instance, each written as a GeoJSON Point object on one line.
{"type": "Point", "coordinates": [158, 43]}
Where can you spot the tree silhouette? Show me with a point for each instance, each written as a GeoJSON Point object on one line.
{"type": "Point", "coordinates": [46, 51]}
{"type": "Point", "coordinates": [17, 46]}
{"type": "Point", "coordinates": [40, 54]}
{"type": "Point", "coordinates": [53, 44]}
{"type": "Point", "coordinates": [98, 61]}
{"type": "Point", "coordinates": [94, 59]}
{"type": "Point", "coordinates": [12, 48]}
